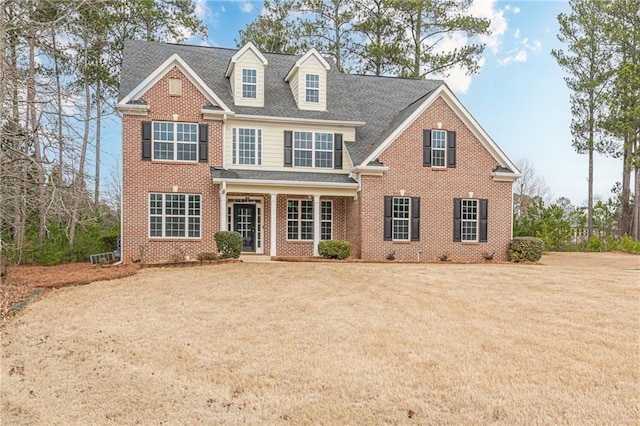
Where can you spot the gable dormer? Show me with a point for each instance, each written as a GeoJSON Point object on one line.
{"type": "Point", "coordinates": [246, 74]}
{"type": "Point", "coordinates": [308, 81]}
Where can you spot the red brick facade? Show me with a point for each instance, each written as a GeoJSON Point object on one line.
{"type": "Point", "coordinates": [358, 219]}
{"type": "Point", "coordinates": [436, 188]}
{"type": "Point", "coordinates": [143, 177]}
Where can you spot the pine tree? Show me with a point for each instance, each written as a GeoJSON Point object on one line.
{"type": "Point", "coordinates": [587, 62]}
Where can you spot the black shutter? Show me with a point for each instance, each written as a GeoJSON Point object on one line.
{"type": "Point", "coordinates": [483, 220]}
{"type": "Point", "coordinates": [415, 218]}
{"type": "Point", "coordinates": [337, 151]}
{"type": "Point", "coordinates": [457, 219]}
{"type": "Point", "coordinates": [426, 148]}
{"type": "Point", "coordinates": [203, 145]}
{"type": "Point", "coordinates": [451, 149]}
{"type": "Point", "coordinates": [146, 140]}
{"type": "Point", "coordinates": [288, 148]}
{"type": "Point", "coordinates": [388, 218]}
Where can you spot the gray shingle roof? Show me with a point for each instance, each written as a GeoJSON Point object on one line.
{"type": "Point", "coordinates": [311, 177]}
{"type": "Point", "coordinates": [382, 102]}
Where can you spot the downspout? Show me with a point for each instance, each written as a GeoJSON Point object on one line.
{"type": "Point", "coordinates": [119, 262]}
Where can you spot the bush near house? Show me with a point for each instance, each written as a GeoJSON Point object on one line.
{"type": "Point", "coordinates": [525, 249]}
{"type": "Point", "coordinates": [229, 244]}
{"type": "Point", "coordinates": [334, 249]}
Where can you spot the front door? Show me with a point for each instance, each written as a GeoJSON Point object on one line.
{"type": "Point", "coordinates": [244, 216]}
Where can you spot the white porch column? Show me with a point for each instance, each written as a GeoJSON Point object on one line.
{"type": "Point", "coordinates": [272, 232]}
{"type": "Point", "coordinates": [316, 223]}
{"type": "Point", "coordinates": [223, 206]}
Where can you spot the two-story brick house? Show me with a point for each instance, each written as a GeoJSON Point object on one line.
{"type": "Point", "coordinates": [288, 151]}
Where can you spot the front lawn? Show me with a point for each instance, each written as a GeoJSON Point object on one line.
{"type": "Point", "coordinates": [334, 343]}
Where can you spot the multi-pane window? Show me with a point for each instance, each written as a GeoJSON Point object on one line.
{"type": "Point", "coordinates": [300, 220]}
{"type": "Point", "coordinates": [303, 149]}
{"type": "Point", "coordinates": [401, 218]}
{"type": "Point", "coordinates": [324, 150]}
{"type": "Point", "coordinates": [438, 148]}
{"type": "Point", "coordinates": [249, 83]}
{"type": "Point", "coordinates": [247, 146]}
{"type": "Point", "coordinates": [469, 210]}
{"type": "Point", "coordinates": [311, 149]}
{"type": "Point", "coordinates": [174, 215]}
{"type": "Point", "coordinates": [312, 88]}
{"type": "Point", "coordinates": [175, 141]}
{"type": "Point", "coordinates": [326, 220]}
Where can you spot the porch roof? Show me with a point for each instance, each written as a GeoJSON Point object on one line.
{"type": "Point", "coordinates": [284, 182]}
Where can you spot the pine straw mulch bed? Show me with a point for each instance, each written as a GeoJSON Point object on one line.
{"type": "Point", "coordinates": [23, 283]}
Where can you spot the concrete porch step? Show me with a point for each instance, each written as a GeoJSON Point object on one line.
{"type": "Point", "coordinates": [255, 258]}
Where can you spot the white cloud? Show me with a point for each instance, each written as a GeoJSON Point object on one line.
{"type": "Point", "coordinates": [487, 9]}
{"type": "Point", "coordinates": [516, 10]}
{"type": "Point", "coordinates": [536, 46]}
{"type": "Point", "coordinates": [246, 7]}
{"type": "Point", "coordinates": [517, 33]}
{"type": "Point", "coordinates": [518, 56]}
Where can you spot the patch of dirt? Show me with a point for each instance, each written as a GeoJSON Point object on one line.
{"type": "Point", "coordinates": [22, 281]}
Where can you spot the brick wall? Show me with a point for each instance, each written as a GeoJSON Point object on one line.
{"type": "Point", "coordinates": [141, 177]}
{"type": "Point", "coordinates": [436, 189]}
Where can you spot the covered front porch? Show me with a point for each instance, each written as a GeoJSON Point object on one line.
{"type": "Point", "coordinates": [283, 212]}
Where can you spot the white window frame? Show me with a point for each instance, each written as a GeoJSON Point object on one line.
{"type": "Point", "coordinates": [248, 84]}
{"type": "Point", "coordinates": [236, 146]}
{"type": "Point", "coordinates": [313, 89]}
{"type": "Point", "coordinates": [472, 223]}
{"type": "Point", "coordinates": [441, 138]}
{"type": "Point", "coordinates": [299, 220]}
{"type": "Point", "coordinates": [314, 150]}
{"type": "Point", "coordinates": [190, 212]}
{"type": "Point", "coordinates": [326, 222]}
{"type": "Point", "coordinates": [158, 130]}
{"type": "Point", "coordinates": [398, 218]}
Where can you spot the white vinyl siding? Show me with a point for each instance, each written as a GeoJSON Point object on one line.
{"type": "Point", "coordinates": [174, 215]}
{"type": "Point", "coordinates": [273, 143]}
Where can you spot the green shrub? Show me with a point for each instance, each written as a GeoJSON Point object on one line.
{"type": "Point", "coordinates": [594, 244]}
{"type": "Point", "coordinates": [206, 256]}
{"type": "Point", "coordinates": [334, 249]}
{"type": "Point", "coordinates": [229, 244]}
{"type": "Point", "coordinates": [525, 249]}
{"type": "Point", "coordinates": [627, 244]}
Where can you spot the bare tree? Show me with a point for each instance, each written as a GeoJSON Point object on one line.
{"type": "Point", "coordinates": [529, 188]}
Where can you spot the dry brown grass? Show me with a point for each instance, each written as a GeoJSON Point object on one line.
{"type": "Point", "coordinates": [318, 343]}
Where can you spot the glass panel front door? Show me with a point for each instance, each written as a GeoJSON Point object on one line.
{"type": "Point", "coordinates": [245, 224]}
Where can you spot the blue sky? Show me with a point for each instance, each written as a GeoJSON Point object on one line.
{"type": "Point", "coordinates": [519, 96]}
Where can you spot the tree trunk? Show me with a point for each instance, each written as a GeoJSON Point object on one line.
{"type": "Point", "coordinates": [34, 133]}
{"type": "Point", "coordinates": [590, 191]}
{"type": "Point", "coordinates": [635, 229]}
{"type": "Point", "coordinates": [3, 86]}
{"type": "Point", "coordinates": [96, 194]}
{"type": "Point", "coordinates": [625, 194]}
{"type": "Point", "coordinates": [79, 181]}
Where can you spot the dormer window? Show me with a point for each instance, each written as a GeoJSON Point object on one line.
{"type": "Point", "coordinates": [249, 83]}
{"type": "Point", "coordinates": [313, 88]}
{"type": "Point", "coordinates": [246, 72]}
